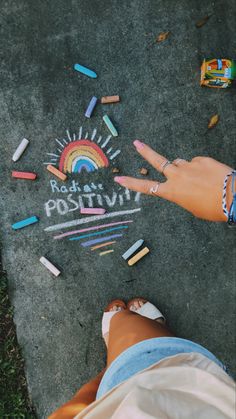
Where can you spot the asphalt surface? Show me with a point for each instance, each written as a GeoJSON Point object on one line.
{"type": "Point", "coordinates": [189, 272]}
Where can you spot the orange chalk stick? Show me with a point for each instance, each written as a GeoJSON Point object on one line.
{"type": "Point", "coordinates": [110, 99]}
{"type": "Point", "coordinates": [56, 172]}
{"type": "Point", "coordinates": [24, 175]}
{"type": "Point", "coordinates": [138, 256]}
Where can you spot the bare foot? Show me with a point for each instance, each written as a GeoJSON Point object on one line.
{"type": "Point", "coordinates": [137, 303]}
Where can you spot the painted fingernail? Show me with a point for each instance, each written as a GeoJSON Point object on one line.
{"type": "Point", "coordinates": [119, 179]}
{"type": "Point", "coordinates": [138, 144]}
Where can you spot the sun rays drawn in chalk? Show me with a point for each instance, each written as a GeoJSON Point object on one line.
{"type": "Point", "coordinates": [76, 154]}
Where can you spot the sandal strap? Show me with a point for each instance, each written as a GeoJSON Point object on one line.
{"type": "Point", "coordinates": [150, 311]}
{"type": "Point", "coordinates": [106, 319]}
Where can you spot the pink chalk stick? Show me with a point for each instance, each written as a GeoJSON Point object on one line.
{"type": "Point", "coordinates": [92, 211]}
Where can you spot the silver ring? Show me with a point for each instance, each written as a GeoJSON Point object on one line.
{"type": "Point", "coordinates": [178, 160]}
{"type": "Point", "coordinates": [154, 189]}
{"type": "Point", "coordinates": [164, 164]}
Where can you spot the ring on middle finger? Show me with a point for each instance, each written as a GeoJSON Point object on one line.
{"type": "Point", "coordinates": [177, 161]}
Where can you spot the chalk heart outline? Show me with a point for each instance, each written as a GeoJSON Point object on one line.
{"type": "Point", "coordinates": [89, 153]}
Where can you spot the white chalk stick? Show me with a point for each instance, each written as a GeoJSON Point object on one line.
{"type": "Point", "coordinates": [92, 211]}
{"type": "Point", "coordinates": [20, 149]}
{"type": "Point", "coordinates": [45, 262]}
{"type": "Point", "coordinates": [132, 249]}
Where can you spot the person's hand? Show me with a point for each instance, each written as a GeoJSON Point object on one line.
{"type": "Point", "coordinates": [196, 186]}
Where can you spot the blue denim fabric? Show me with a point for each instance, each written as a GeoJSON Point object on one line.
{"type": "Point", "coordinates": [144, 354]}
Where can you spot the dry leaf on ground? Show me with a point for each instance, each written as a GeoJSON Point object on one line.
{"type": "Point", "coordinates": [115, 170]}
{"type": "Point", "coordinates": [213, 121]}
{"type": "Point", "coordinates": [162, 36]}
{"type": "Point", "coordinates": [143, 171]}
{"type": "Point", "coordinates": [202, 22]}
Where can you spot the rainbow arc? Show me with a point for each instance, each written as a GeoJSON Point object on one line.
{"type": "Point", "coordinates": [79, 153]}
{"type": "Point", "coordinates": [82, 155]}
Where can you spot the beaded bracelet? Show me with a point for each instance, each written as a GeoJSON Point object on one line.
{"type": "Point", "coordinates": [232, 211]}
{"type": "Point", "coordinates": [224, 205]}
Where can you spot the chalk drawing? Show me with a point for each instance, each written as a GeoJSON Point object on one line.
{"type": "Point", "coordinates": [68, 135]}
{"type": "Point", "coordinates": [85, 220]}
{"type": "Point", "coordinates": [59, 142]}
{"type": "Point", "coordinates": [94, 134]}
{"type": "Point", "coordinates": [80, 153]}
{"type": "Point", "coordinates": [89, 152]}
{"type": "Point", "coordinates": [52, 154]}
{"type": "Point", "coordinates": [106, 141]}
{"type": "Point", "coordinates": [49, 162]}
{"type": "Point", "coordinates": [115, 154]}
{"type": "Point", "coordinates": [72, 202]}
{"type": "Point", "coordinates": [98, 227]}
{"type": "Point", "coordinates": [98, 246]}
{"type": "Point", "coordinates": [102, 239]}
{"type": "Point", "coordinates": [121, 200]}
{"type": "Point", "coordinates": [108, 230]}
{"type": "Point", "coordinates": [106, 252]}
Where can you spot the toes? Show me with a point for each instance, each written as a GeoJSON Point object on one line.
{"type": "Point", "coordinates": [136, 305]}
{"type": "Point", "coordinates": [116, 308]}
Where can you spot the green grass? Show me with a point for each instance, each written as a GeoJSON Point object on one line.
{"type": "Point", "coordinates": [14, 399]}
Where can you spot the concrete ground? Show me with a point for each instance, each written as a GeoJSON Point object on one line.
{"type": "Point", "coordinates": [189, 273]}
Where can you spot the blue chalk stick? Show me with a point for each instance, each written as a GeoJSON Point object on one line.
{"type": "Point", "coordinates": [91, 107]}
{"type": "Point", "coordinates": [85, 71]}
{"type": "Point", "coordinates": [110, 125]}
{"type": "Point", "coordinates": [132, 249]}
{"type": "Point", "coordinates": [25, 223]}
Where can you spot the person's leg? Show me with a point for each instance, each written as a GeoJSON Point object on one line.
{"type": "Point", "coordinates": [128, 328]}
{"type": "Point", "coordinates": [87, 393]}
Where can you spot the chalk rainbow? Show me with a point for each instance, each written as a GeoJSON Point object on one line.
{"type": "Point", "coordinates": [82, 155]}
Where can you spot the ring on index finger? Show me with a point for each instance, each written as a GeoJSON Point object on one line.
{"type": "Point", "coordinates": [164, 165]}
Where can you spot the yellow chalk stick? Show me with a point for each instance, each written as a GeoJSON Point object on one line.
{"type": "Point", "coordinates": [138, 256]}
{"type": "Point", "coordinates": [56, 172]}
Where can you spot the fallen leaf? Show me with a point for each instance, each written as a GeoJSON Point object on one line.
{"type": "Point", "coordinates": [115, 170]}
{"type": "Point", "coordinates": [202, 22]}
{"type": "Point", "coordinates": [143, 171]}
{"type": "Point", "coordinates": [162, 36]}
{"type": "Point", "coordinates": [213, 121]}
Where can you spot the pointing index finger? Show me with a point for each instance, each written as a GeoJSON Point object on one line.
{"type": "Point", "coordinates": [148, 187]}
{"type": "Point", "coordinates": [154, 158]}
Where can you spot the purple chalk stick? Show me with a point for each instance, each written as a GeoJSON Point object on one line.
{"type": "Point", "coordinates": [91, 107]}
